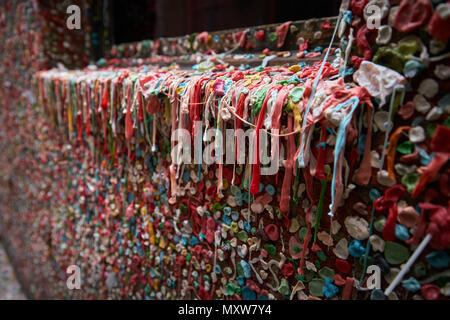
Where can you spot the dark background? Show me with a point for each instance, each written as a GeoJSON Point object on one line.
{"type": "Point", "coordinates": [134, 20]}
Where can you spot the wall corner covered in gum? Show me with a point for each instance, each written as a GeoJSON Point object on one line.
{"type": "Point", "coordinates": [355, 120]}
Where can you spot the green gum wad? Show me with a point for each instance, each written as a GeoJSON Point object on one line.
{"type": "Point", "coordinates": [315, 287]}
{"type": "Point", "coordinates": [317, 264]}
{"type": "Point", "coordinates": [242, 235]}
{"type": "Point", "coordinates": [322, 256]}
{"type": "Point", "coordinates": [405, 147]}
{"type": "Point", "coordinates": [296, 94]}
{"type": "Point", "coordinates": [326, 272]}
{"type": "Point", "coordinates": [410, 180]}
{"type": "Point", "coordinates": [273, 36]}
{"type": "Point", "coordinates": [231, 289]}
{"type": "Point", "coordinates": [271, 249]}
{"type": "Point", "coordinates": [205, 65]}
{"type": "Point", "coordinates": [395, 253]}
{"type": "Point", "coordinates": [260, 96]}
{"type": "Point", "coordinates": [390, 58]}
{"type": "Point", "coordinates": [408, 47]}
{"type": "Point", "coordinates": [284, 287]}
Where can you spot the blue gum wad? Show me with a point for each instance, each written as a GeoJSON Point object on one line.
{"type": "Point", "coordinates": [411, 284]}
{"type": "Point", "coordinates": [329, 289]}
{"type": "Point", "coordinates": [356, 249]}
{"type": "Point", "coordinates": [438, 259]}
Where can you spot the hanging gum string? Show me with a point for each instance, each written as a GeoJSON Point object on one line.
{"type": "Point", "coordinates": [218, 139]}
{"type": "Point", "coordinates": [234, 114]}
{"type": "Point", "coordinates": [368, 246]}
{"type": "Point", "coordinates": [289, 168]}
{"type": "Point", "coordinates": [388, 124]}
{"type": "Point", "coordinates": [392, 149]}
{"type": "Point", "coordinates": [229, 108]}
{"type": "Point", "coordinates": [313, 92]}
{"type": "Point", "coordinates": [254, 126]}
{"type": "Point", "coordinates": [340, 144]}
{"type": "Point", "coordinates": [348, 50]}
{"type": "Point", "coordinates": [300, 130]}
{"type": "Point", "coordinates": [319, 208]}
{"type": "Point", "coordinates": [297, 177]}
